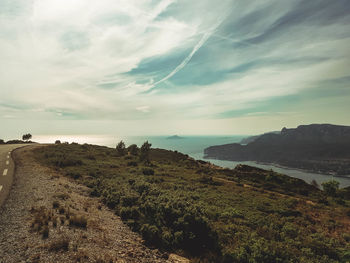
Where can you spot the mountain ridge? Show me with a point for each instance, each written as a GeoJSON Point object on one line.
{"type": "Point", "coordinates": [321, 148]}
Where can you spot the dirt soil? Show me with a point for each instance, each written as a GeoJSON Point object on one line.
{"type": "Point", "coordinates": [49, 218]}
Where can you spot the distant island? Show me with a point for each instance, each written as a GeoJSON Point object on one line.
{"type": "Point", "coordinates": [322, 148]}
{"type": "Point", "coordinates": [175, 137]}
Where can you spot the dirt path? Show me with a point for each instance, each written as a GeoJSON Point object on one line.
{"type": "Point", "coordinates": [48, 218]}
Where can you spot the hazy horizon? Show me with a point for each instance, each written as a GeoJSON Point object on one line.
{"type": "Point", "coordinates": [165, 67]}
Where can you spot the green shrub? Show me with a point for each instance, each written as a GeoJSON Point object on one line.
{"type": "Point", "coordinates": [45, 232]}
{"type": "Point", "coordinates": [231, 213]}
{"type": "Point", "coordinates": [74, 175]}
{"type": "Point", "coordinates": [121, 148]}
{"type": "Point", "coordinates": [150, 233]}
{"type": "Point", "coordinates": [59, 244]}
{"type": "Point", "coordinates": [144, 151]}
{"type": "Point", "coordinates": [132, 163]}
{"type": "Point", "coordinates": [129, 200]}
{"type": "Point", "coordinates": [78, 221]}
{"type": "Point", "coordinates": [129, 213]}
{"type": "Point", "coordinates": [148, 171]}
{"type": "Point", "coordinates": [55, 204]}
{"type": "Point", "coordinates": [133, 149]}
{"type": "Point", "coordinates": [331, 187]}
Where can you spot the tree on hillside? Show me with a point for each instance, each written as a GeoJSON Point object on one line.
{"type": "Point", "coordinates": [121, 148]}
{"type": "Point", "coordinates": [132, 149]}
{"type": "Point", "coordinates": [26, 137]}
{"type": "Point", "coordinates": [144, 151]}
{"type": "Point", "coordinates": [331, 187]}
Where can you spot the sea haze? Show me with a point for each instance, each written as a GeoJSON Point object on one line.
{"type": "Point", "coordinates": [193, 146]}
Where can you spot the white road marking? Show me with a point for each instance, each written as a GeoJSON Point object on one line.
{"type": "Point", "coordinates": [0, 188]}
{"type": "Point", "coordinates": [5, 172]}
{"type": "Point", "coordinates": [7, 162]}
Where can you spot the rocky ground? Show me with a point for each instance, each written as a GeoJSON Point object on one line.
{"type": "Point", "coordinates": [49, 218]}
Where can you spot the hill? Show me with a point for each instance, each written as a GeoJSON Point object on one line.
{"type": "Point", "coordinates": [207, 213]}
{"type": "Point", "coordinates": [253, 138]}
{"type": "Point", "coordinates": [321, 148]}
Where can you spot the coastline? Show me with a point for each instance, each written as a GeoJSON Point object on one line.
{"type": "Point", "coordinates": [305, 175]}
{"type": "Point", "coordinates": [283, 167]}
{"type": "Point", "coordinates": [302, 170]}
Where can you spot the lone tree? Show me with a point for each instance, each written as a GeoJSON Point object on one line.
{"type": "Point", "coordinates": [121, 148]}
{"type": "Point", "coordinates": [144, 151]}
{"type": "Point", "coordinates": [26, 137]}
{"type": "Point", "coordinates": [331, 187]}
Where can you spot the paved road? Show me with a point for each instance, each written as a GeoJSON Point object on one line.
{"type": "Point", "coordinates": [7, 168]}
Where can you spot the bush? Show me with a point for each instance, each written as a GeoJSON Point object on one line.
{"type": "Point", "coordinates": [150, 233]}
{"type": "Point", "coordinates": [57, 142]}
{"type": "Point", "coordinates": [148, 171]}
{"type": "Point", "coordinates": [133, 149]}
{"type": "Point", "coordinates": [129, 213]}
{"type": "Point", "coordinates": [55, 204]}
{"type": "Point", "coordinates": [121, 148]}
{"type": "Point", "coordinates": [144, 151]}
{"type": "Point", "coordinates": [132, 163]}
{"type": "Point", "coordinates": [74, 175]}
{"type": "Point", "coordinates": [59, 244]}
{"type": "Point", "coordinates": [64, 161]}
{"type": "Point", "coordinates": [129, 200]}
{"type": "Point", "coordinates": [45, 232]}
{"type": "Point", "coordinates": [78, 221]}
{"type": "Point", "coordinates": [2, 141]}
{"type": "Point", "coordinates": [331, 187]}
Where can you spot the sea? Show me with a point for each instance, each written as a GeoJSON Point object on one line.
{"type": "Point", "coordinates": [193, 146]}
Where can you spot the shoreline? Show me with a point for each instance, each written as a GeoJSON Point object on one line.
{"type": "Point", "coordinates": [283, 167]}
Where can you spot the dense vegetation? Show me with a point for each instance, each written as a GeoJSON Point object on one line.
{"type": "Point", "coordinates": [207, 213]}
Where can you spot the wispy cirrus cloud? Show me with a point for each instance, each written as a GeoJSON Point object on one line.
{"type": "Point", "coordinates": [171, 60]}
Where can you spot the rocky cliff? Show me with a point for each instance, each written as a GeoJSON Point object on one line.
{"type": "Point", "coordinates": [317, 147]}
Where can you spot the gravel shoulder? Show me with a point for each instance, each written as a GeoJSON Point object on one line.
{"type": "Point", "coordinates": [49, 218]}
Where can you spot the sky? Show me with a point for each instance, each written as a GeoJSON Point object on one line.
{"type": "Point", "coordinates": [151, 67]}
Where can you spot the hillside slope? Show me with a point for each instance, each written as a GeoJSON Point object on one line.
{"type": "Point", "coordinates": [207, 213]}
{"type": "Point", "coordinates": [318, 147]}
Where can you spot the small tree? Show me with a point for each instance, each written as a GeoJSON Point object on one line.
{"type": "Point", "coordinates": [144, 151]}
{"type": "Point", "coordinates": [331, 187]}
{"type": "Point", "coordinates": [133, 150]}
{"type": "Point", "coordinates": [2, 141]}
{"type": "Point", "coordinates": [121, 148]}
{"type": "Point", "coordinates": [26, 137]}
